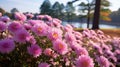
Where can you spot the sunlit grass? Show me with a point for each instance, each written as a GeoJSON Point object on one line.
{"type": "Point", "coordinates": [107, 31]}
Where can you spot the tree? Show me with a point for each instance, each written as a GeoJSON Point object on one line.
{"type": "Point", "coordinates": [102, 12]}
{"type": "Point", "coordinates": [90, 6]}
{"type": "Point", "coordinates": [56, 10]}
{"type": "Point", "coordinates": [45, 7]}
{"type": "Point", "coordinates": [96, 15]}
{"type": "Point", "coordinates": [87, 7]}
{"type": "Point", "coordinates": [62, 10]}
{"type": "Point", "coordinates": [14, 10]}
{"type": "Point", "coordinates": [8, 14]}
{"type": "Point", "coordinates": [105, 11]}
{"type": "Point", "coordinates": [70, 9]}
{"type": "Point", "coordinates": [2, 11]}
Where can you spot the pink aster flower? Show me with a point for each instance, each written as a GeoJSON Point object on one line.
{"type": "Point", "coordinates": [93, 33]}
{"type": "Point", "coordinates": [27, 26]}
{"type": "Point", "coordinates": [60, 46]}
{"type": "Point", "coordinates": [40, 17]}
{"type": "Point", "coordinates": [34, 50]}
{"type": "Point", "coordinates": [78, 35]}
{"type": "Point", "coordinates": [84, 61]}
{"type": "Point", "coordinates": [103, 61]}
{"type": "Point", "coordinates": [31, 39]}
{"type": "Point", "coordinates": [29, 15]}
{"type": "Point", "coordinates": [81, 51]}
{"type": "Point", "coordinates": [14, 26]}
{"type": "Point", "coordinates": [20, 16]}
{"type": "Point", "coordinates": [54, 34]}
{"type": "Point", "coordinates": [56, 22]}
{"type": "Point", "coordinates": [40, 29]}
{"type": "Point", "coordinates": [2, 26]}
{"type": "Point", "coordinates": [0, 14]}
{"type": "Point", "coordinates": [75, 45]}
{"type": "Point", "coordinates": [47, 18]}
{"type": "Point", "coordinates": [86, 33]}
{"type": "Point", "coordinates": [33, 22]}
{"type": "Point", "coordinates": [70, 37]}
{"type": "Point", "coordinates": [100, 32]}
{"type": "Point", "coordinates": [44, 17]}
{"type": "Point", "coordinates": [5, 18]}
{"type": "Point", "coordinates": [68, 28]}
{"type": "Point", "coordinates": [6, 45]}
{"type": "Point", "coordinates": [21, 36]}
{"type": "Point", "coordinates": [48, 51]}
{"type": "Point", "coordinates": [43, 65]}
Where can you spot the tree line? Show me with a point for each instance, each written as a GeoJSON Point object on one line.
{"type": "Point", "coordinates": [67, 13]}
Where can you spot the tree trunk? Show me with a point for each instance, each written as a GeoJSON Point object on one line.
{"type": "Point", "coordinates": [96, 15]}
{"type": "Point", "coordinates": [88, 17]}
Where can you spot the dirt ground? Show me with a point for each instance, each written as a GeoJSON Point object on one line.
{"type": "Point", "coordinates": [112, 32]}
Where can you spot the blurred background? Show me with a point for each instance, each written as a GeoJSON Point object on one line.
{"type": "Point", "coordinates": [79, 13]}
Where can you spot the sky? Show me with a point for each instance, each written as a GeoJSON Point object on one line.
{"type": "Point", "coordinates": [34, 5]}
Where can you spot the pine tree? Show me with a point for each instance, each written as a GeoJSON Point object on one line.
{"type": "Point", "coordinates": [45, 7]}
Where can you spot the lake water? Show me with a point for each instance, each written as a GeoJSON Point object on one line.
{"type": "Point", "coordinates": [84, 25]}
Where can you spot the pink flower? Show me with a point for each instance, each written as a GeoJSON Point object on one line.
{"type": "Point", "coordinates": [31, 39]}
{"type": "Point", "coordinates": [6, 45]}
{"type": "Point", "coordinates": [44, 17]}
{"type": "Point", "coordinates": [54, 34]}
{"type": "Point", "coordinates": [56, 22]}
{"type": "Point", "coordinates": [100, 32]}
{"type": "Point", "coordinates": [2, 26]}
{"type": "Point", "coordinates": [20, 16]}
{"type": "Point", "coordinates": [81, 51]}
{"type": "Point", "coordinates": [78, 35]}
{"type": "Point", "coordinates": [84, 61]}
{"type": "Point", "coordinates": [40, 17]}
{"type": "Point", "coordinates": [47, 18]}
{"type": "Point", "coordinates": [75, 45]}
{"type": "Point", "coordinates": [86, 33]}
{"type": "Point", "coordinates": [0, 14]}
{"type": "Point", "coordinates": [40, 29]}
{"type": "Point", "coordinates": [70, 37]}
{"type": "Point", "coordinates": [60, 46]}
{"type": "Point", "coordinates": [43, 65]}
{"type": "Point", "coordinates": [33, 22]}
{"type": "Point", "coordinates": [21, 36]}
{"type": "Point", "coordinates": [34, 50]}
{"type": "Point", "coordinates": [14, 26]}
{"type": "Point", "coordinates": [27, 26]}
{"type": "Point", "coordinates": [5, 18]}
{"type": "Point", "coordinates": [29, 15]}
{"type": "Point", "coordinates": [68, 28]}
{"type": "Point", "coordinates": [48, 51]}
{"type": "Point", "coordinates": [97, 48]}
{"type": "Point", "coordinates": [103, 61]}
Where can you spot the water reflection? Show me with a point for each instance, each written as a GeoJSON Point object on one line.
{"type": "Point", "coordinates": [84, 25]}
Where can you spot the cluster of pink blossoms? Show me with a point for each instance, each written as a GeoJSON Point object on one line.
{"type": "Point", "coordinates": [44, 42]}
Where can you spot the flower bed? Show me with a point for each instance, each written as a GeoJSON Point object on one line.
{"type": "Point", "coordinates": [44, 42]}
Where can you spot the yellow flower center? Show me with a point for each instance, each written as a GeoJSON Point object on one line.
{"type": "Point", "coordinates": [60, 46]}
{"type": "Point", "coordinates": [39, 29]}
{"type": "Point", "coordinates": [85, 63]}
{"type": "Point", "coordinates": [55, 35]}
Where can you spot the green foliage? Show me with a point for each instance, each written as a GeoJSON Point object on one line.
{"type": "Point", "coordinates": [57, 10]}
{"type": "Point", "coordinates": [70, 9]}
{"type": "Point", "coordinates": [2, 10]}
{"type": "Point", "coordinates": [105, 11]}
{"type": "Point", "coordinates": [45, 7]}
{"type": "Point", "coordinates": [14, 10]}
